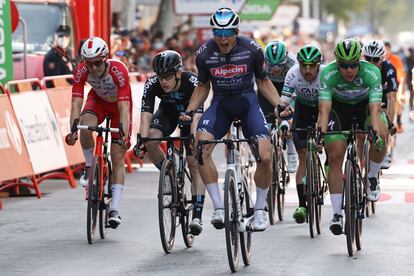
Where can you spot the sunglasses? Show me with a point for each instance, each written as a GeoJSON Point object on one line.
{"type": "Point", "coordinates": [373, 59]}
{"type": "Point", "coordinates": [166, 77]}
{"type": "Point", "coordinates": [310, 64]}
{"type": "Point", "coordinates": [224, 32]}
{"type": "Point", "coordinates": [347, 65]}
{"type": "Point", "coordinates": [96, 63]}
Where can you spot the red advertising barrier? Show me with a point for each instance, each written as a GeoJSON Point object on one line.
{"type": "Point", "coordinates": [15, 159]}
{"type": "Point", "coordinates": [40, 130]}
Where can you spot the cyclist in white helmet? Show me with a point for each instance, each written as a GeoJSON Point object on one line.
{"type": "Point", "coordinates": [110, 95]}
{"type": "Point", "coordinates": [374, 52]}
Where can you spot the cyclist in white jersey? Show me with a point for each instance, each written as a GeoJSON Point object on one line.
{"type": "Point", "coordinates": [303, 81]}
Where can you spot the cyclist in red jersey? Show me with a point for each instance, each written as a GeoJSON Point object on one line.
{"type": "Point", "coordinates": [110, 95]}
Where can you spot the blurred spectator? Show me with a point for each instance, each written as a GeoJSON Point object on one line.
{"type": "Point", "coordinates": [58, 60]}
{"type": "Point", "coordinates": [410, 66]}
{"type": "Point", "coordinates": [121, 47]}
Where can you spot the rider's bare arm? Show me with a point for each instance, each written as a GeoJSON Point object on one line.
{"type": "Point", "coordinates": [144, 126]}
{"type": "Point", "coordinates": [268, 90]}
{"type": "Point", "coordinates": [199, 96]}
{"type": "Point", "coordinates": [375, 112]}
{"type": "Point", "coordinates": [124, 114]}
{"type": "Point", "coordinates": [323, 116]}
{"type": "Point", "coordinates": [75, 110]}
{"type": "Point", "coordinates": [392, 98]}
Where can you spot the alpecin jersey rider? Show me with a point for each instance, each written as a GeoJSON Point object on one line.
{"type": "Point", "coordinates": [105, 92]}
{"type": "Point", "coordinates": [232, 76]}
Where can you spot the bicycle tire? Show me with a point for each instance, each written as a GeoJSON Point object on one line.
{"type": "Point", "coordinates": [282, 187]}
{"type": "Point", "coordinates": [246, 237]}
{"type": "Point", "coordinates": [365, 168]}
{"type": "Point", "coordinates": [106, 200]}
{"type": "Point", "coordinates": [93, 200]}
{"type": "Point", "coordinates": [167, 204]}
{"type": "Point", "coordinates": [230, 221]}
{"type": "Point", "coordinates": [187, 208]}
{"type": "Point", "coordinates": [310, 187]}
{"type": "Point", "coordinates": [318, 194]}
{"type": "Point", "coordinates": [349, 207]}
{"type": "Point", "coordinates": [360, 205]}
{"type": "Point", "coordinates": [271, 195]}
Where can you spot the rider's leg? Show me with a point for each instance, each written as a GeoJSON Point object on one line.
{"type": "Point", "coordinates": [118, 174]}
{"type": "Point", "coordinates": [336, 151]}
{"type": "Point", "coordinates": [263, 174]}
{"type": "Point", "coordinates": [86, 137]}
{"type": "Point", "coordinates": [300, 174]}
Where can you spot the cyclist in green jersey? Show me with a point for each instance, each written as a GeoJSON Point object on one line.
{"type": "Point", "coordinates": [350, 88]}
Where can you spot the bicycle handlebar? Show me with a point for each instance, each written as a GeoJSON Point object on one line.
{"type": "Point", "coordinates": [99, 129]}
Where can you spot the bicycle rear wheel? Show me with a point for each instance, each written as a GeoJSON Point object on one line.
{"type": "Point", "coordinates": [246, 237]}
{"type": "Point", "coordinates": [271, 196]}
{"type": "Point", "coordinates": [350, 215]}
{"type": "Point", "coordinates": [230, 221]}
{"type": "Point", "coordinates": [106, 201]}
{"type": "Point", "coordinates": [167, 205]}
{"type": "Point", "coordinates": [310, 189]}
{"type": "Point", "coordinates": [93, 199]}
{"type": "Point", "coordinates": [187, 210]}
{"type": "Point", "coordinates": [283, 181]}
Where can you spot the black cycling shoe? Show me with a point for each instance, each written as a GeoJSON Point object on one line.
{"type": "Point", "coordinates": [336, 225]}
{"type": "Point", "coordinates": [114, 219]}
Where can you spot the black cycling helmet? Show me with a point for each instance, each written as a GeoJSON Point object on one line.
{"type": "Point", "coordinates": [167, 62]}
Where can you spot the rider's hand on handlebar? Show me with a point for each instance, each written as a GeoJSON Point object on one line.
{"type": "Point", "coordinates": [185, 118]}
{"type": "Point", "coordinates": [71, 138]}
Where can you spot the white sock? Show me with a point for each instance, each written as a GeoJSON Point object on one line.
{"type": "Point", "coordinates": [336, 200]}
{"type": "Point", "coordinates": [291, 150]}
{"type": "Point", "coordinates": [261, 195]}
{"type": "Point", "coordinates": [88, 154]}
{"type": "Point", "coordinates": [116, 196]}
{"type": "Point", "coordinates": [214, 192]}
{"type": "Point", "coordinates": [373, 169]}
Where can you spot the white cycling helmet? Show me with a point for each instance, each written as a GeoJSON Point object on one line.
{"type": "Point", "coordinates": [94, 47]}
{"type": "Point", "coordinates": [224, 18]}
{"type": "Point", "coordinates": [374, 48]}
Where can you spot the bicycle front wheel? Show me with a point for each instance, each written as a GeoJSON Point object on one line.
{"type": "Point", "coordinates": [167, 205]}
{"type": "Point", "coordinates": [93, 199]}
{"type": "Point", "coordinates": [283, 181]}
{"type": "Point", "coordinates": [230, 220]}
{"type": "Point", "coordinates": [350, 208]}
{"type": "Point", "coordinates": [310, 196]}
{"type": "Point", "coordinates": [106, 200]}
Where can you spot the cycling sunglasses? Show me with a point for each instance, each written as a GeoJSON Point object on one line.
{"type": "Point", "coordinates": [166, 77]}
{"type": "Point", "coordinates": [347, 65]}
{"type": "Point", "coordinates": [224, 32]}
{"type": "Point", "coordinates": [373, 59]}
{"type": "Point", "coordinates": [96, 63]}
{"type": "Point", "coordinates": [310, 64]}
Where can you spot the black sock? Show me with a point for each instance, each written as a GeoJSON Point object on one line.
{"type": "Point", "coordinates": [398, 119]}
{"type": "Point", "coordinates": [300, 188]}
{"type": "Point", "coordinates": [159, 164]}
{"type": "Point", "coordinates": [198, 201]}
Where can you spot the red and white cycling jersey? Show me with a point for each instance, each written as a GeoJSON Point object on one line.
{"type": "Point", "coordinates": [113, 87]}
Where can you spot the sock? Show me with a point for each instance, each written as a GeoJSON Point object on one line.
{"type": "Point", "coordinates": [88, 154]}
{"type": "Point", "coordinates": [159, 164]}
{"type": "Point", "coordinates": [261, 195]}
{"type": "Point", "coordinates": [300, 189]}
{"type": "Point", "coordinates": [116, 196]}
{"type": "Point", "coordinates": [399, 119]}
{"type": "Point", "coordinates": [373, 169]}
{"type": "Point", "coordinates": [198, 201]}
{"type": "Point", "coordinates": [291, 147]}
{"type": "Point", "coordinates": [336, 200]}
{"type": "Point", "coordinates": [214, 192]}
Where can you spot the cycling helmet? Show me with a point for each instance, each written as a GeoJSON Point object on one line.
{"type": "Point", "coordinates": [167, 62]}
{"type": "Point", "coordinates": [94, 47]}
{"type": "Point", "coordinates": [374, 48]}
{"type": "Point", "coordinates": [309, 54]}
{"type": "Point", "coordinates": [224, 18]}
{"type": "Point", "coordinates": [275, 52]}
{"type": "Point", "coordinates": [348, 50]}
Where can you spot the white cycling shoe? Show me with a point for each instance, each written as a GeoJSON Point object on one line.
{"type": "Point", "coordinates": [260, 220]}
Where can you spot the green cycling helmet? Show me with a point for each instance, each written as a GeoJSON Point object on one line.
{"type": "Point", "coordinates": [309, 54]}
{"type": "Point", "coordinates": [348, 50]}
{"type": "Point", "coordinates": [275, 52]}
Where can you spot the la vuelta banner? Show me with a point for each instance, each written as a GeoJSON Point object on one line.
{"type": "Point", "coordinates": [6, 52]}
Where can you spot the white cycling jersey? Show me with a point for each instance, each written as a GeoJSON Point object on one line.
{"type": "Point", "coordinates": [306, 92]}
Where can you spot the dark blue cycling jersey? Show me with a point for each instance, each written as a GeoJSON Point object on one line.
{"type": "Point", "coordinates": [232, 76]}
{"type": "Point", "coordinates": [389, 80]}
{"type": "Point", "coordinates": [231, 73]}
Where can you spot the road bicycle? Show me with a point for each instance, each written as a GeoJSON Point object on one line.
{"type": "Point", "coordinates": [238, 205]}
{"type": "Point", "coordinates": [174, 192]}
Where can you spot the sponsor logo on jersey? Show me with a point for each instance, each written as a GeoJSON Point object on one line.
{"type": "Point", "coordinates": [358, 81]}
{"type": "Point", "coordinates": [201, 49]}
{"type": "Point", "coordinates": [229, 70]}
{"type": "Point", "coordinates": [255, 44]}
{"type": "Point", "coordinates": [239, 58]}
{"type": "Point", "coordinates": [372, 73]}
{"type": "Point", "coordinates": [79, 73]}
{"type": "Point", "coordinates": [119, 75]}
